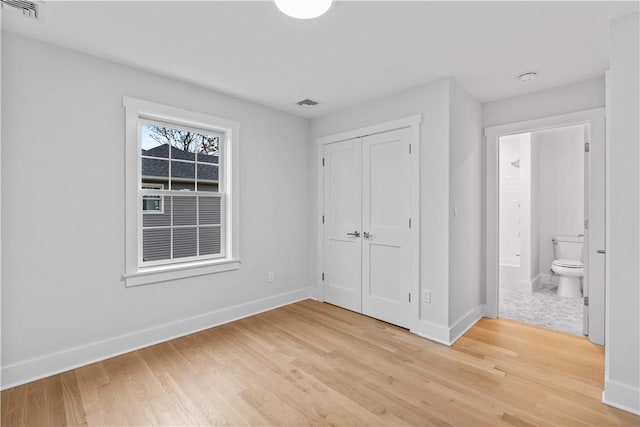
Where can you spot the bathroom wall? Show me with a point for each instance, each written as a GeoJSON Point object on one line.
{"type": "Point", "coordinates": [509, 212]}
{"type": "Point", "coordinates": [560, 186]}
{"type": "Point", "coordinates": [534, 244]}
{"type": "Point", "coordinates": [528, 209]}
{"type": "Point", "coordinates": [518, 213]}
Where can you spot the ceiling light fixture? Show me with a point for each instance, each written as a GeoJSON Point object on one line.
{"type": "Point", "coordinates": [303, 9]}
{"type": "Point", "coordinates": [528, 77]}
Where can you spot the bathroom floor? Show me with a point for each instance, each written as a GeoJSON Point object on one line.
{"type": "Point", "coordinates": [542, 308]}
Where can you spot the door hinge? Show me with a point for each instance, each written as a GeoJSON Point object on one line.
{"type": "Point", "coordinates": [409, 148]}
{"type": "Point", "coordinates": [586, 301]}
{"type": "Point", "coordinates": [323, 219]}
{"type": "Point", "coordinates": [586, 224]}
{"type": "Point", "coordinates": [409, 296]}
{"type": "Point", "coordinates": [323, 277]}
{"type": "Point", "coordinates": [409, 222]}
{"type": "Point", "coordinates": [323, 161]}
{"type": "Point", "coordinates": [586, 147]}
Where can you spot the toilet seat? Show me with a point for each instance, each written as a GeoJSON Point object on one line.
{"type": "Point", "coordinates": [567, 263]}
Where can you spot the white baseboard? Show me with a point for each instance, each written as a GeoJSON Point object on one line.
{"type": "Point", "coordinates": [431, 331]}
{"type": "Point", "coordinates": [465, 323]}
{"type": "Point", "coordinates": [621, 396]}
{"type": "Point", "coordinates": [33, 369]}
{"type": "Point", "coordinates": [448, 335]}
{"type": "Point", "coordinates": [526, 286]}
{"type": "Point", "coordinates": [536, 282]}
{"type": "Point", "coordinates": [488, 312]}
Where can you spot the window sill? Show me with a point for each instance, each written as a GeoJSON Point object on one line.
{"type": "Point", "coordinates": [150, 275]}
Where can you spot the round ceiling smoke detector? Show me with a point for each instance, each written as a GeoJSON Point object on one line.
{"type": "Point", "coordinates": [303, 9]}
{"type": "Point", "coordinates": [528, 77]}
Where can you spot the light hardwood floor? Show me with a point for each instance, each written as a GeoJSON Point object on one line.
{"type": "Point", "coordinates": [315, 364]}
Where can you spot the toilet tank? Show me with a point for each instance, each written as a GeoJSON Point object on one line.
{"type": "Point", "coordinates": [568, 247]}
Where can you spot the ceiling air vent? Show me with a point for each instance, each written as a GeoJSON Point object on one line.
{"type": "Point", "coordinates": [307, 103]}
{"type": "Point", "coordinates": [27, 8]}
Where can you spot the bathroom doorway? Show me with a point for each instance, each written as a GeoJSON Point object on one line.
{"type": "Point", "coordinates": [545, 222]}
{"type": "Point", "coordinates": [541, 228]}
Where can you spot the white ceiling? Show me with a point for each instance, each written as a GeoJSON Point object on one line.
{"type": "Point", "coordinates": [357, 51]}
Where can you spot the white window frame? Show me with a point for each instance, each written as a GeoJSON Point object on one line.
{"type": "Point", "coordinates": [136, 112]}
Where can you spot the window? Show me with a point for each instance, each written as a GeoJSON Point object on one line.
{"type": "Point", "coordinates": [180, 176]}
{"type": "Point", "coordinates": [152, 204]}
{"type": "Point", "coordinates": [179, 169]}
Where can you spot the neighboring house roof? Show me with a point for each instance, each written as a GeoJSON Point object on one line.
{"type": "Point", "coordinates": [159, 167]}
{"type": "Point", "coordinates": [162, 151]}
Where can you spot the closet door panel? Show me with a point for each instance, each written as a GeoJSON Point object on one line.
{"type": "Point", "coordinates": [343, 224]}
{"type": "Point", "coordinates": [385, 225]}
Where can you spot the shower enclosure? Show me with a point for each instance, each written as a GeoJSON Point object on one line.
{"type": "Point", "coordinates": [515, 211]}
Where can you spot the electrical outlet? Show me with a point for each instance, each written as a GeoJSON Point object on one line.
{"type": "Point", "coordinates": [271, 277]}
{"type": "Point", "coordinates": [426, 296]}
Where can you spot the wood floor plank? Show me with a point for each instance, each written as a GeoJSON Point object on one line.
{"type": "Point", "coordinates": [71, 399]}
{"type": "Point", "coordinates": [311, 363]}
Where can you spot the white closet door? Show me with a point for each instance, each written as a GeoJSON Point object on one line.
{"type": "Point", "coordinates": [385, 226]}
{"type": "Point", "coordinates": [343, 216]}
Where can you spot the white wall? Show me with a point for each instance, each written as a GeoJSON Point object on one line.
{"type": "Point", "coordinates": [579, 96]}
{"type": "Point", "coordinates": [518, 212]}
{"type": "Point", "coordinates": [432, 101]}
{"type": "Point", "coordinates": [0, 208]}
{"type": "Point", "coordinates": [622, 366]}
{"type": "Point", "coordinates": [534, 223]}
{"type": "Point", "coordinates": [509, 199]}
{"type": "Point", "coordinates": [466, 274]}
{"type": "Point", "coordinates": [526, 212]}
{"type": "Point", "coordinates": [63, 207]}
{"type": "Point", "coordinates": [450, 174]}
{"type": "Point", "coordinates": [560, 186]}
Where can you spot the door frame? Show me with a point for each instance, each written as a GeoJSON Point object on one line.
{"type": "Point", "coordinates": [413, 123]}
{"type": "Point", "coordinates": [595, 118]}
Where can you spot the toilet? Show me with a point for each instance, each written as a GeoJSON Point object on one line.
{"type": "Point", "coordinates": [568, 265]}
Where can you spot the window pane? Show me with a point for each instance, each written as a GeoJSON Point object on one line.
{"type": "Point", "coordinates": [209, 210]}
{"type": "Point", "coordinates": [208, 148]}
{"type": "Point", "coordinates": [151, 204]}
{"type": "Point", "coordinates": [157, 219]}
{"type": "Point", "coordinates": [180, 185]}
{"type": "Point", "coordinates": [154, 171]}
{"type": "Point", "coordinates": [207, 177]}
{"type": "Point", "coordinates": [153, 144]}
{"type": "Point", "coordinates": [208, 158]}
{"type": "Point", "coordinates": [210, 240]}
{"type": "Point", "coordinates": [184, 210]}
{"type": "Point", "coordinates": [184, 242]}
{"type": "Point", "coordinates": [179, 152]}
{"type": "Point", "coordinates": [156, 244]}
{"type": "Point", "coordinates": [183, 175]}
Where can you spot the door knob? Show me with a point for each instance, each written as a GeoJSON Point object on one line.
{"type": "Point", "coordinates": [366, 235]}
{"type": "Point", "coordinates": [354, 234]}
